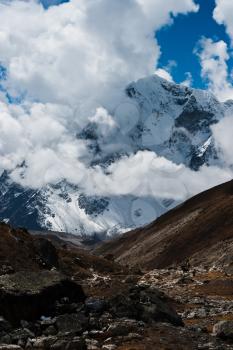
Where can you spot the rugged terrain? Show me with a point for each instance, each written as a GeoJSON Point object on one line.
{"type": "Point", "coordinates": [171, 120]}
{"type": "Point", "coordinates": [54, 294]}
{"type": "Point", "coordinates": [188, 253]}
{"type": "Point", "coordinates": [199, 231]}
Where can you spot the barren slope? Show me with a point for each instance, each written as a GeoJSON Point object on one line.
{"type": "Point", "coordinates": [200, 230]}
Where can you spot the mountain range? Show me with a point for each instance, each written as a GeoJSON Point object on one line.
{"type": "Point", "coordinates": [173, 121]}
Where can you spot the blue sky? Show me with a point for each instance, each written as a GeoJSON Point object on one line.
{"type": "Point", "coordinates": [179, 40]}
{"type": "Point", "coordinates": [48, 3]}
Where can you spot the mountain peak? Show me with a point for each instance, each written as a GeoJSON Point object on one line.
{"type": "Point", "coordinates": [170, 120]}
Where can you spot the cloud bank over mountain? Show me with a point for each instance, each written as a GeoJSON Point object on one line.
{"type": "Point", "coordinates": [68, 65]}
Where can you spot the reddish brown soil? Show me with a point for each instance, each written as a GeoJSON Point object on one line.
{"type": "Point", "coordinates": [16, 249]}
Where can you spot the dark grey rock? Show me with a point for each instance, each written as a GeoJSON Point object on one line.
{"type": "Point", "coordinates": [69, 323]}
{"type": "Point", "coordinates": [51, 330]}
{"type": "Point", "coordinates": [96, 305]}
{"type": "Point", "coordinates": [76, 344]}
{"type": "Point", "coordinates": [123, 327]}
{"type": "Point", "coordinates": [146, 304]}
{"type": "Point", "coordinates": [32, 295]}
{"type": "Point", "coordinates": [223, 329]}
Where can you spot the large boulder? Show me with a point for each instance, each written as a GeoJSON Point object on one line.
{"type": "Point", "coordinates": [224, 330]}
{"type": "Point", "coordinates": [144, 303]}
{"type": "Point", "coordinates": [71, 323]}
{"type": "Point", "coordinates": [28, 296]}
{"type": "Point", "coordinates": [123, 327]}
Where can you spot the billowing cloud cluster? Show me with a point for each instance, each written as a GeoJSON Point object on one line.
{"type": "Point", "coordinates": [223, 132]}
{"type": "Point", "coordinates": [223, 15]}
{"type": "Point", "coordinates": [69, 64]}
{"type": "Point", "coordinates": [62, 64]}
{"type": "Point", "coordinates": [84, 52]}
{"type": "Point", "coordinates": [146, 174]}
{"type": "Point", "coordinates": [213, 58]}
{"type": "Point", "coordinates": [214, 55]}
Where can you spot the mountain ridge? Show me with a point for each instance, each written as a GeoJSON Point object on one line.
{"type": "Point", "coordinates": [199, 231]}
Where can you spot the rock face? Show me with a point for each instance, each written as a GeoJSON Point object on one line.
{"type": "Point", "coordinates": [171, 120]}
{"type": "Point", "coordinates": [32, 295]}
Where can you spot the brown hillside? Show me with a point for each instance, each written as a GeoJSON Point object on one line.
{"type": "Point", "coordinates": [200, 230]}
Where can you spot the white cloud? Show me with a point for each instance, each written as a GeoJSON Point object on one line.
{"type": "Point", "coordinates": [223, 15]}
{"type": "Point", "coordinates": [146, 174]}
{"type": "Point", "coordinates": [105, 123]}
{"type": "Point", "coordinates": [71, 62]}
{"type": "Point", "coordinates": [223, 132]}
{"type": "Point", "coordinates": [164, 74]}
{"type": "Point", "coordinates": [214, 55]}
{"type": "Point", "coordinates": [213, 59]}
{"type": "Point", "coordinates": [82, 48]}
{"type": "Point", "coordinates": [39, 136]}
{"type": "Point", "coordinates": [188, 81]}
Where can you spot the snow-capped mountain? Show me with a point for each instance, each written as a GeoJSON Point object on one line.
{"type": "Point", "coordinates": [171, 120]}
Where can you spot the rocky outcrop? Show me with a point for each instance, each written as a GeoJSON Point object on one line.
{"type": "Point", "coordinates": [146, 304]}
{"type": "Point", "coordinates": [28, 296]}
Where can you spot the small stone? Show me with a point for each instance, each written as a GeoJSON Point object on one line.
{"type": "Point", "coordinates": [95, 305]}
{"type": "Point", "coordinates": [133, 336]}
{"type": "Point", "coordinates": [109, 347]}
{"type": "Point", "coordinates": [51, 330]}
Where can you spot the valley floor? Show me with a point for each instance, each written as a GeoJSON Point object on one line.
{"type": "Point", "coordinates": [57, 296]}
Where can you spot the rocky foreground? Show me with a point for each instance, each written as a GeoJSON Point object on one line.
{"type": "Point", "coordinates": [56, 296]}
